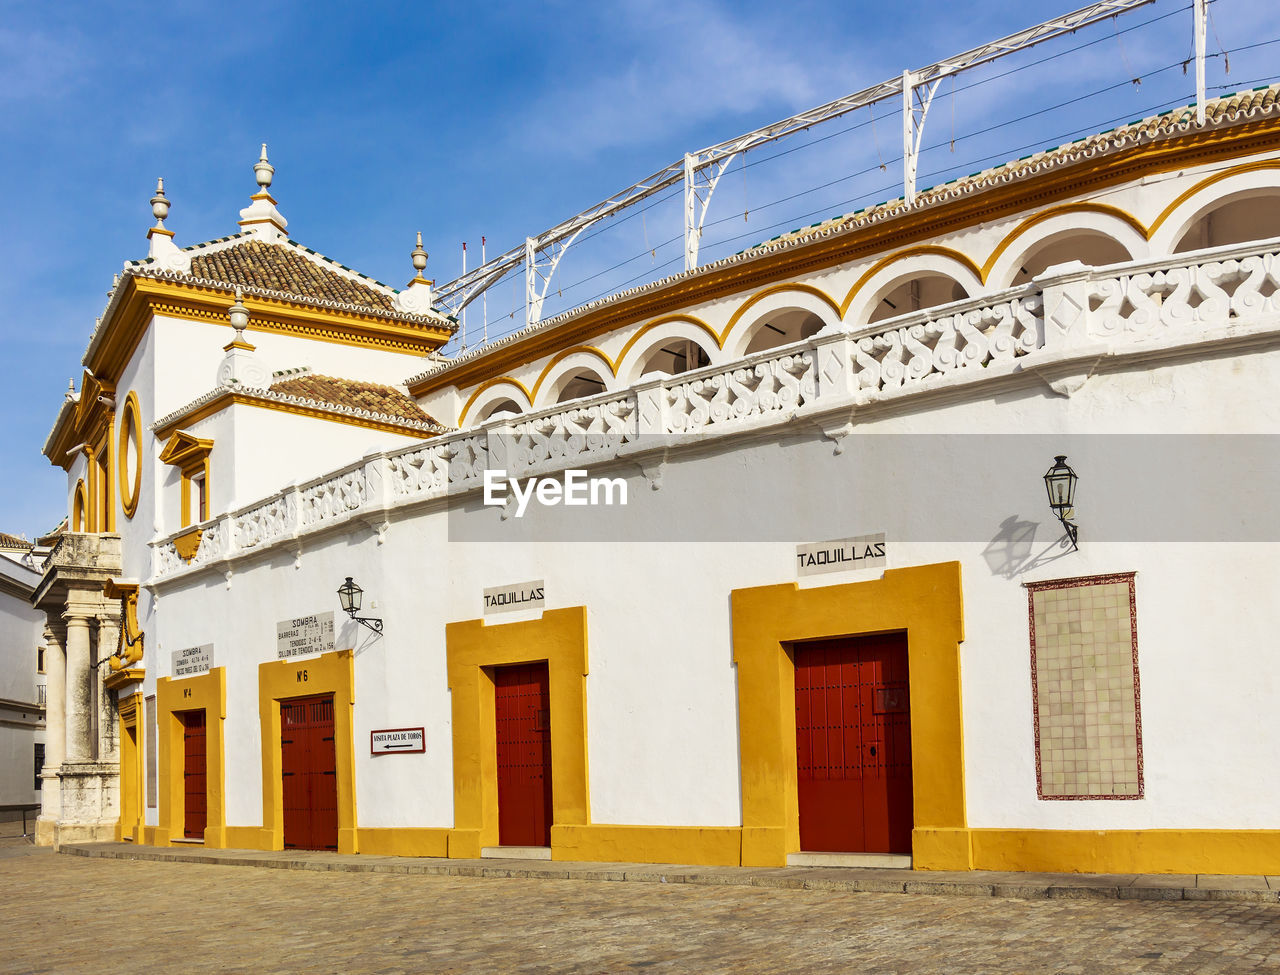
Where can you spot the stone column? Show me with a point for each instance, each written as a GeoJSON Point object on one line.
{"type": "Point", "coordinates": [79, 696]}
{"type": "Point", "coordinates": [55, 716]}
{"type": "Point", "coordinates": [108, 722]}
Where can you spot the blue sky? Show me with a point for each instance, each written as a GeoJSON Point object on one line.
{"type": "Point", "coordinates": [499, 119]}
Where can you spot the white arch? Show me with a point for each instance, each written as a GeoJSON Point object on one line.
{"type": "Point", "coordinates": [771, 305]}
{"type": "Point", "coordinates": [657, 337]}
{"type": "Point", "coordinates": [909, 267]}
{"type": "Point", "coordinates": [1088, 223]}
{"type": "Point", "coordinates": [491, 396]}
{"type": "Point", "coordinates": [1182, 217]}
{"type": "Point", "coordinates": [552, 383]}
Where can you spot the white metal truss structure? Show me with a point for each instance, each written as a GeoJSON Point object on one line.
{"type": "Point", "coordinates": [701, 171]}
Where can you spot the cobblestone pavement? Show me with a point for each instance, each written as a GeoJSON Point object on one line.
{"type": "Point", "coordinates": [75, 914]}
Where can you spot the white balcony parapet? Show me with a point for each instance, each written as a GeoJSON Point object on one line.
{"type": "Point", "coordinates": [1050, 326]}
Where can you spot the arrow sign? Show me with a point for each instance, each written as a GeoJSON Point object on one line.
{"type": "Point", "coordinates": [400, 740]}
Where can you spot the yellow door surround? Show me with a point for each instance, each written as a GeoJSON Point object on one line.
{"type": "Point", "coordinates": [925, 602]}
{"type": "Point", "coordinates": [330, 673]}
{"type": "Point", "coordinates": [473, 649]}
{"type": "Point", "coordinates": [207, 692]}
{"type": "Point", "coordinates": [132, 748]}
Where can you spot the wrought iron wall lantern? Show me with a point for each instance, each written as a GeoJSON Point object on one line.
{"type": "Point", "coordinates": [1060, 482]}
{"type": "Point", "coordinates": [349, 596]}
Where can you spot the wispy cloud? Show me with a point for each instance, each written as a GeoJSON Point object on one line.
{"type": "Point", "coordinates": [36, 66]}
{"type": "Point", "coordinates": [670, 69]}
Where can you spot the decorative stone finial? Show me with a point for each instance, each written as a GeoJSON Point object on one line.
{"type": "Point", "coordinates": [70, 396]}
{"type": "Point", "coordinates": [163, 250]}
{"type": "Point", "coordinates": [261, 218]}
{"type": "Point", "coordinates": [416, 298]}
{"type": "Point", "coordinates": [160, 204]}
{"type": "Point", "coordinates": [240, 367]}
{"type": "Point", "coordinates": [419, 256]}
{"type": "Point", "coordinates": [239, 316]}
{"type": "Point", "coordinates": [263, 170]}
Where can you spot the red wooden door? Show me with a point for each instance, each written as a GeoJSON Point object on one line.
{"type": "Point", "coordinates": [309, 772]}
{"type": "Point", "coordinates": [195, 800]}
{"type": "Point", "coordinates": [522, 702]}
{"type": "Point", "coordinates": [853, 745]}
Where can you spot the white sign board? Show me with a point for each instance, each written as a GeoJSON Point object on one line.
{"type": "Point", "coordinates": [193, 660]}
{"type": "Point", "coordinates": [841, 555]}
{"type": "Point", "coordinates": [523, 595]}
{"type": "Point", "coordinates": [305, 635]}
{"type": "Point", "coordinates": [391, 740]}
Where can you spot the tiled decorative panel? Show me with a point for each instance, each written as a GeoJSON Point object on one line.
{"type": "Point", "coordinates": [1084, 688]}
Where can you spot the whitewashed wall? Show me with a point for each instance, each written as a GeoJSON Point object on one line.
{"type": "Point", "coordinates": [21, 632]}
{"type": "Point", "coordinates": [662, 714]}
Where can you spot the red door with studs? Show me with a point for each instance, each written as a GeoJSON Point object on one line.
{"type": "Point", "coordinates": [309, 770]}
{"type": "Point", "coordinates": [853, 745]}
{"type": "Point", "coordinates": [195, 801]}
{"type": "Point", "coordinates": [522, 704]}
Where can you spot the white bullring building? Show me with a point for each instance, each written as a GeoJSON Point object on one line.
{"type": "Point", "coordinates": [828, 611]}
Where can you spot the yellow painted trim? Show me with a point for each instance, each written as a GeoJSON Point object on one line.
{"type": "Point", "coordinates": [245, 838]}
{"type": "Point", "coordinates": [1230, 851]}
{"type": "Point", "coordinates": [130, 646]}
{"type": "Point", "coordinates": [78, 513]}
{"type": "Point", "coordinates": [147, 297]}
{"type": "Point", "coordinates": [926, 602]}
{"type": "Point", "coordinates": [190, 454]}
{"type": "Point", "coordinates": [132, 797]}
{"type": "Point", "coordinates": [1205, 183]}
{"type": "Point", "coordinates": [107, 448]}
{"type": "Point", "coordinates": [188, 543]}
{"type": "Point", "coordinates": [206, 691]}
{"type": "Point", "coordinates": [1048, 214]}
{"type": "Point", "coordinates": [127, 675]}
{"type": "Point", "coordinates": [280, 680]}
{"type": "Point", "coordinates": [91, 491]}
{"type": "Point", "coordinates": [471, 647]}
{"type": "Point", "coordinates": [707, 846]}
{"type": "Point", "coordinates": [667, 320]}
{"type": "Point", "coordinates": [560, 356]}
{"type": "Point", "coordinates": [217, 405]}
{"type": "Point", "coordinates": [902, 255]}
{"type": "Point", "coordinates": [130, 432]}
{"type": "Point", "coordinates": [186, 451]}
{"type": "Point", "coordinates": [404, 842]}
{"type": "Point", "coordinates": [489, 384]}
{"type": "Point", "coordinates": [795, 286]}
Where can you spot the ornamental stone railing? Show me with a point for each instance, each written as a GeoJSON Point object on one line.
{"type": "Point", "coordinates": [1059, 322]}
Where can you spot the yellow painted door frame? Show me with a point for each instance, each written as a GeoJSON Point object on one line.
{"type": "Point", "coordinates": [132, 797]}
{"type": "Point", "coordinates": [925, 602]}
{"type": "Point", "coordinates": [278, 680]}
{"type": "Point", "coordinates": [473, 649]}
{"type": "Point", "coordinates": [207, 692]}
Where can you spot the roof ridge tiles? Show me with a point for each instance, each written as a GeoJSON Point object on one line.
{"type": "Point", "coordinates": [430, 425]}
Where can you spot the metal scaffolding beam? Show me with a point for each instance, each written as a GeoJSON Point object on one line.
{"type": "Point", "coordinates": [700, 171]}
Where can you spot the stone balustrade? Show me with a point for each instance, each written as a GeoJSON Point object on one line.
{"type": "Point", "coordinates": [1074, 313]}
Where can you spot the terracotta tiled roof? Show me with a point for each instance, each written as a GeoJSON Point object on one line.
{"type": "Point", "coordinates": [359, 395]}
{"type": "Point", "coordinates": [13, 542]}
{"type": "Point", "coordinates": [257, 264]}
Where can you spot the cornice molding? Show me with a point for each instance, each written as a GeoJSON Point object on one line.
{"type": "Point", "coordinates": [142, 295]}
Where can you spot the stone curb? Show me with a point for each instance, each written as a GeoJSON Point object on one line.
{"type": "Point", "coordinates": [849, 879]}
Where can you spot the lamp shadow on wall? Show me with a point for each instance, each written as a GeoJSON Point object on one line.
{"type": "Point", "coordinates": [1009, 553]}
